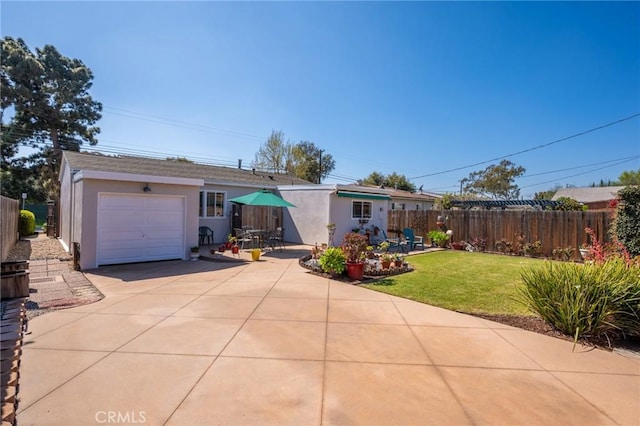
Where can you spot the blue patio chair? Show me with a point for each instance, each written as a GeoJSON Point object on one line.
{"type": "Point", "coordinates": [394, 243]}
{"type": "Point", "coordinates": [413, 240]}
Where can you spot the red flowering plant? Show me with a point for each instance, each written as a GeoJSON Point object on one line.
{"type": "Point", "coordinates": [354, 247]}
{"type": "Point", "coordinates": [599, 252]}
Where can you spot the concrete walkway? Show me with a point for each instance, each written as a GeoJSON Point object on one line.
{"type": "Point", "coordinates": [267, 343]}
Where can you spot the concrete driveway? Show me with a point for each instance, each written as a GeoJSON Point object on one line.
{"type": "Point", "coordinates": [267, 343]}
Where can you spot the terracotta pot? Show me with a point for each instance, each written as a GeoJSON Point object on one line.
{"type": "Point", "coordinates": [228, 245]}
{"type": "Point", "coordinates": [221, 249]}
{"type": "Point", "coordinates": [386, 264]}
{"type": "Point", "coordinates": [397, 263]}
{"type": "Point", "coordinates": [235, 249]}
{"type": "Point", "coordinates": [355, 271]}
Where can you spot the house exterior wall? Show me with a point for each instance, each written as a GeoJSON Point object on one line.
{"type": "Point", "coordinates": [410, 205]}
{"type": "Point", "coordinates": [221, 226]}
{"type": "Point", "coordinates": [307, 222]}
{"type": "Point", "coordinates": [64, 221]}
{"type": "Point", "coordinates": [341, 214]}
{"type": "Point", "coordinates": [86, 215]}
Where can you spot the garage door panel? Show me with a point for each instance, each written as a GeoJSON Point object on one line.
{"type": "Point", "coordinates": [157, 203]}
{"type": "Point", "coordinates": [121, 202]}
{"type": "Point", "coordinates": [122, 255]}
{"type": "Point", "coordinates": [163, 219]}
{"type": "Point", "coordinates": [134, 228]}
{"type": "Point", "coordinates": [128, 221]}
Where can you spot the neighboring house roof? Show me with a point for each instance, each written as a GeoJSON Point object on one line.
{"type": "Point", "coordinates": [178, 169]}
{"type": "Point", "coordinates": [589, 195]}
{"type": "Point", "coordinates": [390, 192]}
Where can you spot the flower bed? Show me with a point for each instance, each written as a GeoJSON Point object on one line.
{"type": "Point", "coordinates": [372, 268]}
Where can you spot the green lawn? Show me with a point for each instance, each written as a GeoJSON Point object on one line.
{"type": "Point", "coordinates": [462, 281]}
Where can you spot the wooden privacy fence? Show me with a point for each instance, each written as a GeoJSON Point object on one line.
{"type": "Point", "coordinates": [10, 213]}
{"type": "Point", "coordinates": [553, 228]}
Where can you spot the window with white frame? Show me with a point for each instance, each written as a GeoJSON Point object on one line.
{"type": "Point", "coordinates": [361, 210]}
{"type": "Point", "coordinates": [212, 203]}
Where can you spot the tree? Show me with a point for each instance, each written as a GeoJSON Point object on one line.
{"type": "Point", "coordinates": [629, 177]}
{"type": "Point", "coordinates": [47, 97]}
{"type": "Point", "coordinates": [496, 181]}
{"type": "Point", "coordinates": [627, 220]}
{"type": "Point", "coordinates": [273, 154]}
{"type": "Point", "coordinates": [307, 161]}
{"type": "Point", "coordinates": [548, 194]}
{"type": "Point", "coordinates": [394, 180]}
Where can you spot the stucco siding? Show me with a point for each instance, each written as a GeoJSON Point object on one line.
{"type": "Point", "coordinates": [307, 222]}
{"type": "Point", "coordinates": [87, 212]}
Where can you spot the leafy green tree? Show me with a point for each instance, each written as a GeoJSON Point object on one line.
{"type": "Point", "coordinates": [629, 177]}
{"type": "Point", "coordinates": [46, 105]}
{"type": "Point", "coordinates": [273, 154]}
{"type": "Point", "coordinates": [569, 204]}
{"type": "Point", "coordinates": [627, 221]}
{"type": "Point", "coordinates": [394, 180]}
{"type": "Point", "coordinates": [496, 181]}
{"type": "Point", "coordinates": [307, 161]}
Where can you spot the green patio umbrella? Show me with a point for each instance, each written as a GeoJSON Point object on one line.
{"type": "Point", "coordinates": [261, 198]}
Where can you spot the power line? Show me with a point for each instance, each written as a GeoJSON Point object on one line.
{"type": "Point", "coordinates": [580, 174]}
{"type": "Point", "coordinates": [635, 157]}
{"type": "Point", "coordinates": [613, 123]}
{"type": "Point", "coordinates": [177, 123]}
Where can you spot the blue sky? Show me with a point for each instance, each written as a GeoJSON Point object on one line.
{"type": "Point", "coordinates": [417, 88]}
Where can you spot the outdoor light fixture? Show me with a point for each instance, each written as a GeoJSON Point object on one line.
{"type": "Point", "coordinates": [146, 188]}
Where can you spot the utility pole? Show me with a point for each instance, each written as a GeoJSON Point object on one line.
{"type": "Point", "coordinates": [320, 166]}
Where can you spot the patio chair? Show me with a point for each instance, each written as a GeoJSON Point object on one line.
{"type": "Point", "coordinates": [206, 234]}
{"type": "Point", "coordinates": [276, 238]}
{"type": "Point", "coordinates": [243, 237]}
{"type": "Point", "coordinates": [413, 240]}
{"type": "Point", "coordinates": [396, 243]}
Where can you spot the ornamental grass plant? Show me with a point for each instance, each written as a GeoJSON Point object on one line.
{"type": "Point", "coordinates": [595, 300]}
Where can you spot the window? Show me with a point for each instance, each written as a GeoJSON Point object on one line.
{"type": "Point", "coordinates": [212, 204]}
{"type": "Point", "coordinates": [361, 210]}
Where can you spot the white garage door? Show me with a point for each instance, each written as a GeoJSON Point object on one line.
{"type": "Point", "coordinates": [138, 228]}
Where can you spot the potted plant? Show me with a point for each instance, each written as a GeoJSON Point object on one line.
{"type": "Point", "coordinates": [398, 260]}
{"type": "Point", "coordinates": [370, 253]}
{"type": "Point", "coordinates": [221, 248]}
{"type": "Point", "coordinates": [584, 250]}
{"type": "Point", "coordinates": [385, 260]}
{"type": "Point", "coordinates": [354, 247]}
{"type": "Point", "coordinates": [458, 245]}
{"type": "Point", "coordinates": [195, 252]}
{"type": "Point", "coordinates": [384, 246]}
{"type": "Point", "coordinates": [231, 241]}
{"type": "Point", "coordinates": [333, 261]}
{"type": "Point", "coordinates": [438, 238]}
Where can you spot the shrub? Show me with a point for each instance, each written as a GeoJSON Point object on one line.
{"type": "Point", "coordinates": [533, 249]}
{"type": "Point", "coordinates": [563, 254]}
{"type": "Point", "coordinates": [354, 247]}
{"type": "Point", "coordinates": [438, 238]}
{"type": "Point", "coordinates": [594, 299]}
{"type": "Point", "coordinates": [627, 221]}
{"type": "Point", "coordinates": [27, 223]}
{"type": "Point", "coordinates": [480, 244]}
{"type": "Point", "coordinates": [504, 246]}
{"type": "Point", "coordinates": [333, 260]}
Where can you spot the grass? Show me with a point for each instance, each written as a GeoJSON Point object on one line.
{"type": "Point", "coordinates": [462, 281]}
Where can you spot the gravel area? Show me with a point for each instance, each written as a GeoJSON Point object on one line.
{"type": "Point", "coordinates": [38, 247]}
